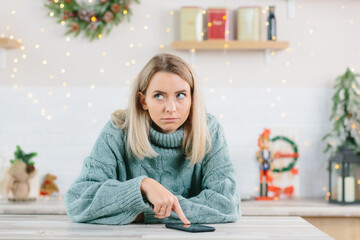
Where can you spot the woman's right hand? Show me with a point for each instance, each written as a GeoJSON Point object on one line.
{"type": "Point", "coordinates": [163, 200]}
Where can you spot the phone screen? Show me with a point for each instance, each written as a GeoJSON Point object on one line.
{"type": "Point", "coordinates": [191, 227]}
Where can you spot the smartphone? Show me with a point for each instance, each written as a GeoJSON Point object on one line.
{"type": "Point", "coordinates": [190, 227]}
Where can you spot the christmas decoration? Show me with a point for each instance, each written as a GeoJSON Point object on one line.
{"type": "Point", "coordinates": [92, 19]}
{"type": "Point", "coordinates": [48, 186]}
{"type": "Point", "coordinates": [345, 115]}
{"type": "Point", "coordinates": [268, 168]}
{"type": "Point", "coordinates": [21, 171]}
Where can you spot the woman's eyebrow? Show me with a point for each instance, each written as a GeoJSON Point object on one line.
{"type": "Point", "coordinates": [158, 91]}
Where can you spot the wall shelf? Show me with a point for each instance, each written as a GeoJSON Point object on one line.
{"type": "Point", "coordinates": [265, 46]}
{"type": "Point", "coordinates": [6, 43]}
{"type": "Point", "coordinates": [221, 45]}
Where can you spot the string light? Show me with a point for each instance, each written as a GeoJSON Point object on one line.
{"type": "Point", "coordinates": [64, 84]}
{"type": "Point", "coordinates": [131, 45]}
{"type": "Point", "coordinates": [89, 104]}
{"type": "Point", "coordinates": [161, 46]}
{"type": "Point", "coordinates": [92, 86]}
{"type": "Point", "coordinates": [65, 107]}
{"type": "Point", "coordinates": [104, 53]}
{"type": "Point", "coordinates": [132, 28]}
{"type": "Point", "coordinates": [171, 13]}
{"type": "Point", "coordinates": [22, 47]}
{"type": "Point", "coordinates": [51, 14]}
{"type": "Point", "coordinates": [127, 82]}
{"type": "Point", "coordinates": [139, 44]}
{"type": "Point", "coordinates": [133, 61]}
{"type": "Point", "coordinates": [127, 64]}
{"type": "Point", "coordinates": [67, 54]}
{"type": "Point", "coordinates": [212, 90]}
{"type": "Point", "coordinates": [13, 12]}
{"type": "Point", "coordinates": [147, 15]}
{"type": "Point", "coordinates": [99, 36]}
{"type": "Point", "coordinates": [68, 95]}
{"type": "Point", "coordinates": [51, 76]}
{"type": "Point", "coordinates": [282, 115]}
{"type": "Point", "coordinates": [203, 12]}
{"type": "Point", "coordinates": [62, 70]}
{"type": "Point", "coordinates": [16, 60]}
{"type": "Point", "coordinates": [23, 56]}
{"type": "Point", "coordinates": [42, 30]}
{"type": "Point", "coordinates": [44, 62]}
{"type": "Point", "coordinates": [125, 12]}
{"type": "Point", "coordinates": [221, 116]}
{"type": "Point", "coordinates": [67, 39]}
{"type": "Point", "coordinates": [230, 80]}
{"type": "Point", "coordinates": [94, 120]}
{"type": "Point", "coordinates": [168, 30]}
{"type": "Point", "coordinates": [49, 94]}
{"type": "Point", "coordinates": [101, 70]}
{"type": "Point", "coordinates": [146, 27]}
{"type": "Point", "coordinates": [337, 166]}
{"type": "Point", "coordinates": [37, 46]}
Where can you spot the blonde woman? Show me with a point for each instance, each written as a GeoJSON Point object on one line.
{"type": "Point", "coordinates": [162, 160]}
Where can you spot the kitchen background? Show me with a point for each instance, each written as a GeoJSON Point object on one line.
{"type": "Point", "coordinates": [57, 93]}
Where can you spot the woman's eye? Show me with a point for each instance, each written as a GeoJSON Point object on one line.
{"type": "Point", "coordinates": [158, 96]}
{"type": "Point", "coordinates": [181, 95]}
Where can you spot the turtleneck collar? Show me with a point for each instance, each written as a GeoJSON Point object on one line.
{"type": "Point", "coordinates": [169, 140]}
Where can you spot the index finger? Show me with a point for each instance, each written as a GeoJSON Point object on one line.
{"type": "Point", "coordinates": [178, 210]}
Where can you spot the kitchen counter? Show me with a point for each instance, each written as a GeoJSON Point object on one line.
{"type": "Point", "coordinates": [61, 227]}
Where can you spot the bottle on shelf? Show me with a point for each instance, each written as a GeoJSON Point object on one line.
{"type": "Point", "coordinates": [271, 28]}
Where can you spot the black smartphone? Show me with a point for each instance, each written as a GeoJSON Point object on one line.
{"type": "Point", "coordinates": [190, 227]}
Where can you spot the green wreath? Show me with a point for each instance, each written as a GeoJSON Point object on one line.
{"type": "Point", "coordinates": [93, 19]}
{"type": "Point", "coordinates": [295, 149]}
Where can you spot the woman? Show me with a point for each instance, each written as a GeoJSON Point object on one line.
{"type": "Point", "coordinates": [162, 160]}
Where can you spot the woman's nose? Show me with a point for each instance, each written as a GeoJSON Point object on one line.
{"type": "Point", "coordinates": [170, 106]}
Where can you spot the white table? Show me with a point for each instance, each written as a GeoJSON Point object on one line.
{"type": "Point", "coordinates": [61, 227]}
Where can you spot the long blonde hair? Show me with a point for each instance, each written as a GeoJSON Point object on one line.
{"type": "Point", "coordinates": [136, 121]}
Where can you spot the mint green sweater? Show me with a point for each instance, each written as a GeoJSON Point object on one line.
{"type": "Point", "coordinates": [108, 188]}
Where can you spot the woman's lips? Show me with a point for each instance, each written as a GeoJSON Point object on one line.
{"type": "Point", "coordinates": [170, 119]}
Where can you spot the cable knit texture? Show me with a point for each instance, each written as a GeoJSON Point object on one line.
{"type": "Point", "coordinates": [108, 188]}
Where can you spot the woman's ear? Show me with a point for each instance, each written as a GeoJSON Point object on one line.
{"type": "Point", "coordinates": [141, 98]}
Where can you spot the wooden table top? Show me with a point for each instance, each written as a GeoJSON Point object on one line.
{"type": "Point", "coordinates": [61, 227]}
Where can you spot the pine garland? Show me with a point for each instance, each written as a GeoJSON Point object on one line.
{"type": "Point", "coordinates": [345, 115]}
{"type": "Point", "coordinates": [94, 19]}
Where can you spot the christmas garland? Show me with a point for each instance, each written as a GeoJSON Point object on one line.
{"type": "Point", "coordinates": [93, 19]}
{"type": "Point", "coordinates": [294, 147]}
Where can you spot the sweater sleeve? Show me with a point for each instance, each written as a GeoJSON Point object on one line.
{"type": "Point", "coordinates": [102, 194]}
{"type": "Point", "coordinates": [219, 200]}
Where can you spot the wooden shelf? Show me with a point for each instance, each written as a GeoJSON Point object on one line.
{"type": "Point", "coordinates": [221, 45]}
{"type": "Point", "coordinates": [8, 43]}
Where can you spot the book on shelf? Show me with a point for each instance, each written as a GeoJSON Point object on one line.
{"type": "Point", "coordinates": [249, 24]}
{"type": "Point", "coordinates": [218, 24]}
{"type": "Point", "coordinates": [191, 24]}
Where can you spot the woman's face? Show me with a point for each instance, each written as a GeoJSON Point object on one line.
{"type": "Point", "coordinates": [168, 100]}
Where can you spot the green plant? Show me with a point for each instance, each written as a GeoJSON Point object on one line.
{"type": "Point", "coordinates": [22, 156]}
{"type": "Point", "coordinates": [345, 115]}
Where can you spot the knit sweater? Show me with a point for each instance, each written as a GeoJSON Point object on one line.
{"type": "Point", "coordinates": [108, 188]}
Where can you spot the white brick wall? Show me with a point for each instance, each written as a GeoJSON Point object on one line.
{"type": "Point", "coordinates": [64, 141]}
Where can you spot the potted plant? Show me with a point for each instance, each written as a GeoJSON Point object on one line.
{"type": "Point", "coordinates": [343, 141]}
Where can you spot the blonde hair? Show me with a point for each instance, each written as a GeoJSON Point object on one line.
{"type": "Point", "coordinates": [136, 121]}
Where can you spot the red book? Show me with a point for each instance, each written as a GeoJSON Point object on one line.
{"type": "Point", "coordinates": [218, 23]}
